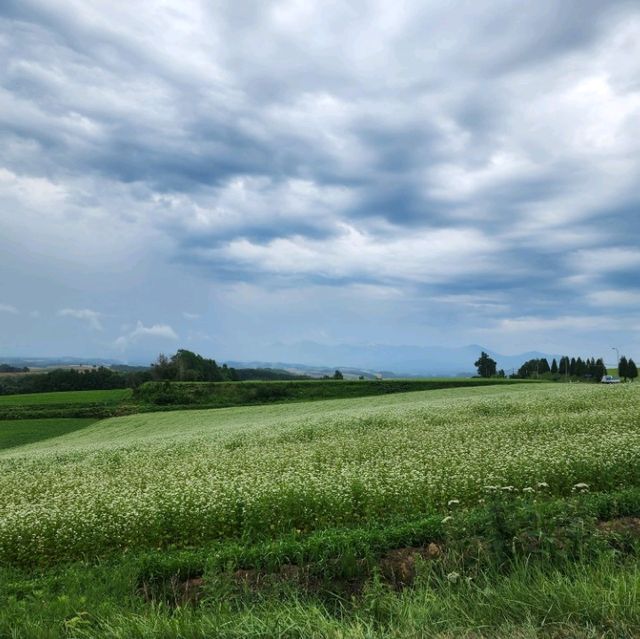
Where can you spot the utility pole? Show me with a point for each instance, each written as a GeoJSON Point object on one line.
{"type": "Point", "coordinates": [613, 348]}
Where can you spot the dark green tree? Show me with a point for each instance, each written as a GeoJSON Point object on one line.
{"type": "Point", "coordinates": [623, 367]}
{"type": "Point", "coordinates": [563, 368]}
{"type": "Point", "coordinates": [600, 370]}
{"type": "Point", "coordinates": [632, 370]}
{"type": "Point", "coordinates": [485, 365]}
{"type": "Point", "coordinates": [554, 366]}
{"type": "Point", "coordinates": [572, 366]}
{"type": "Point", "coordinates": [338, 375]}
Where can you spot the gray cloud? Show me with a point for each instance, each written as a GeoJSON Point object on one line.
{"type": "Point", "coordinates": [478, 160]}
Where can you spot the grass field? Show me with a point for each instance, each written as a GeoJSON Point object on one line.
{"type": "Point", "coordinates": [19, 432]}
{"type": "Point", "coordinates": [155, 396]}
{"type": "Point", "coordinates": [112, 519]}
{"type": "Point", "coordinates": [108, 397]}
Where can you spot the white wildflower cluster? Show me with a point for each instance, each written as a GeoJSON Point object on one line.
{"type": "Point", "coordinates": [580, 487]}
{"type": "Point", "coordinates": [182, 478]}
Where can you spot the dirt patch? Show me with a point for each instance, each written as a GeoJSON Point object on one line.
{"type": "Point", "coordinates": [174, 592]}
{"type": "Point", "coordinates": [398, 568]}
{"type": "Point", "coordinates": [622, 526]}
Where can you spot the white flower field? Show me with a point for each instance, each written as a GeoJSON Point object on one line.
{"type": "Point", "coordinates": [178, 479]}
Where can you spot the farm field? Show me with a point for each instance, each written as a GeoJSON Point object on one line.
{"type": "Point", "coordinates": [67, 397]}
{"type": "Point", "coordinates": [159, 396]}
{"type": "Point", "coordinates": [19, 432]}
{"type": "Point", "coordinates": [504, 486]}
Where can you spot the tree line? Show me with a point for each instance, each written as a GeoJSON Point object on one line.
{"type": "Point", "coordinates": [627, 368]}
{"type": "Point", "coordinates": [567, 367]}
{"type": "Point", "coordinates": [183, 366]}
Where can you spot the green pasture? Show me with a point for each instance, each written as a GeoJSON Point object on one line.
{"type": "Point", "coordinates": [18, 432]}
{"type": "Point", "coordinates": [108, 397]}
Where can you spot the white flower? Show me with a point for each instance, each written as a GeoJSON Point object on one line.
{"type": "Point", "coordinates": [447, 519]}
{"type": "Point", "coordinates": [453, 502]}
{"type": "Point", "coordinates": [453, 577]}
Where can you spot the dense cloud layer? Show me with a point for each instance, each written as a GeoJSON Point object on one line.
{"type": "Point", "coordinates": [226, 175]}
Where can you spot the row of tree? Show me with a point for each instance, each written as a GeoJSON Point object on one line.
{"type": "Point", "coordinates": [184, 366]}
{"type": "Point", "coordinates": [627, 368]}
{"type": "Point", "coordinates": [590, 368]}
{"type": "Point", "coordinates": [575, 367]}
{"type": "Point", "coordinates": [65, 380]}
{"type": "Point", "coordinates": [7, 368]}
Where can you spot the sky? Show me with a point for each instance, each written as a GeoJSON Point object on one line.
{"type": "Point", "coordinates": [230, 176]}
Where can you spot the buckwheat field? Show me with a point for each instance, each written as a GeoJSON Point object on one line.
{"type": "Point", "coordinates": [179, 479]}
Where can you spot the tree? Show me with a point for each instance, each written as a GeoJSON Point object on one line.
{"type": "Point", "coordinates": [485, 365]}
{"type": "Point", "coordinates": [600, 370]}
{"type": "Point", "coordinates": [632, 370]}
{"type": "Point", "coordinates": [563, 369]}
{"type": "Point", "coordinates": [623, 366]}
{"type": "Point", "coordinates": [338, 375]}
{"type": "Point", "coordinates": [554, 366]}
{"type": "Point", "coordinates": [163, 368]}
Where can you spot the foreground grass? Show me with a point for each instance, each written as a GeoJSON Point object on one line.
{"type": "Point", "coordinates": [19, 432]}
{"type": "Point", "coordinates": [599, 597]}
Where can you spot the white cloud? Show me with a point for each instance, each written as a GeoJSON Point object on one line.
{"type": "Point", "coordinates": [605, 260]}
{"type": "Point", "coordinates": [533, 325]}
{"type": "Point", "coordinates": [190, 316]}
{"type": "Point", "coordinates": [615, 297]}
{"type": "Point", "coordinates": [8, 308]}
{"type": "Point", "coordinates": [427, 256]}
{"type": "Point", "coordinates": [85, 314]}
{"type": "Point", "coordinates": [158, 331]}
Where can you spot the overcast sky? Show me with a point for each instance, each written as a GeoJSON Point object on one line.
{"type": "Point", "coordinates": [223, 176]}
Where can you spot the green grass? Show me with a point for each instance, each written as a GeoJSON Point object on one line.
{"type": "Point", "coordinates": [19, 432]}
{"type": "Point", "coordinates": [580, 599]}
{"type": "Point", "coordinates": [108, 397]}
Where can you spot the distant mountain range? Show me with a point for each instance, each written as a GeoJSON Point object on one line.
{"type": "Point", "coordinates": [315, 359]}
{"type": "Point", "coordinates": [62, 362]}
